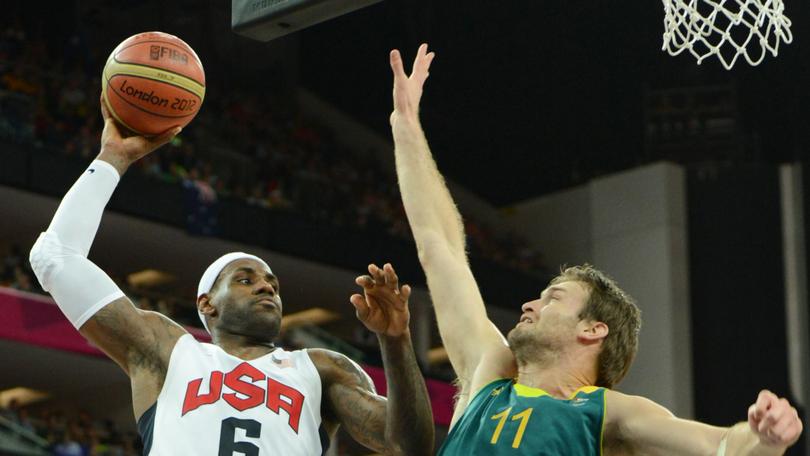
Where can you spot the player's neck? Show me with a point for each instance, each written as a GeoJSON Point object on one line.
{"type": "Point", "coordinates": [242, 346]}
{"type": "Point", "coordinates": [560, 375]}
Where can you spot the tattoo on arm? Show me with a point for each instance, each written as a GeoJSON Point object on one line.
{"type": "Point", "coordinates": [409, 428]}
{"type": "Point", "coordinates": [354, 400]}
{"type": "Point", "coordinates": [400, 424]}
{"type": "Point", "coordinates": [135, 339]}
{"type": "Point", "coordinates": [360, 377]}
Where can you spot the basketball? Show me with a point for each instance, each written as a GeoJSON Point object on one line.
{"type": "Point", "coordinates": [152, 82]}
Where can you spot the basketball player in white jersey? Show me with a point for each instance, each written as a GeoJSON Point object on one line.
{"type": "Point", "coordinates": [241, 394]}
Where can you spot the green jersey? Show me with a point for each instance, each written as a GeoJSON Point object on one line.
{"type": "Point", "coordinates": [505, 418]}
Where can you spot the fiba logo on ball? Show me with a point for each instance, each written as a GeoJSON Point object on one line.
{"type": "Point", "coordinates": [153, 82]}
{"type": "Point", "coordinates": [156, 52]}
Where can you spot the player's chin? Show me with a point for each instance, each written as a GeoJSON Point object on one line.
{"type": "Point", "coordinates": [517, 331]}
{"type": "Point", "coordinates": [267, 326]}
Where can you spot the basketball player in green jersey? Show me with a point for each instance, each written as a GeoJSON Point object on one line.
{"type": "Point", "coordinates": [546, 388]}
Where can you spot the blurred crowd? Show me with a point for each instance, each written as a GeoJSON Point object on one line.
{"type": "Point", "coordinates": [16, 273]}
{"type": "Point", "coordinates": [256, 147]}
{"type": "Point", "coordinates": [73, 433]}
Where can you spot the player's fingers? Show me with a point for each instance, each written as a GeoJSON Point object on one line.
{"type": "Point", "coordinates": [783, 427]}
{"type": "Point", "coordinates": [163, 138]}
{"type": "Point", "coordinates": [404, 294]}
{"type": "Point", "coordinates": [372, 302]}
{"type": "Point", "coordinates": [396, 65]}
{"type": "Point", "coordinates": [422, 74]}
{"type": "Point", "coordinates": [422, 64]}
{"type": "Point", "coordinates": [365, 281]}
{"type": "Point", "coordinates": [391, 278]}
{"type": "Point", "coordinates": [376, 274]}
{"type": "Point", "coordinates": [417, 61]}
{"type": "Point", "coordinates": [753, 417]}
{"type": "Point", "coordinates": [764, 402]}
{"type": "Point", "coordinates": [105, 113]}
{"type": "Point", "coordinates": [111, 130]}
{"type": "Point", "coordinates": [793, 431]}
{"type": "Point", "coordinates": [772, 417]}
{"type": "Point", "coordinates": [360, 306]}
{"type": "Point", "coordinates": [428, 60]}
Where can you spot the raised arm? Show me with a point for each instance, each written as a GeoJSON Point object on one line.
{"type": "Point", "coordinates": [773, 426]}
{"type": "Point", "coordinates": [466, 331]}
{"type": "Point", "coordinates": [140, 342]}
{"type": "Point", "coordinates": [402, 423]}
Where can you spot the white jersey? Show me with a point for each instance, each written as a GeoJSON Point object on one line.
{"type": "Point", "coordinates": [216, 404]}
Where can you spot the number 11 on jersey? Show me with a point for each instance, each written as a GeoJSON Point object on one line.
{"type": "Point", "coordinates": [501, 417]}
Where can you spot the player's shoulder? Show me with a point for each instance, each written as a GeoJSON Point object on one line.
{"type": "Point", "coordinates": [323, 356]}
{"type": "Point", "coordinates": [497, 362]}
{"type": "Point", "coordinates": [629, 400]}
{"type": "Point", "coordinates": [334, 366]}
{"type": "Point", "coordinates": [622, 407]}
{"type": "Point", "coordinates": [162, 323]}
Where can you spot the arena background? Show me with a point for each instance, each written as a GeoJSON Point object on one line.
{"type": "Point", "coordinates": [567, 136]}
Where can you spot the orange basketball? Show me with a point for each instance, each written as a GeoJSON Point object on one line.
{"type": "Point", "coordinates": [152, 82]}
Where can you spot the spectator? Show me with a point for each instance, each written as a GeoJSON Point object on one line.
{"type": "Point", "coordinates": [22, 280]}
{"type": "Point", "coordinates": [68, 444]}
{"type": "Point", "coordinates": [11, 411]}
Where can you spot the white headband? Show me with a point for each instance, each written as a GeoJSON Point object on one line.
{"type": "Point", "coordinates": [210, 275]}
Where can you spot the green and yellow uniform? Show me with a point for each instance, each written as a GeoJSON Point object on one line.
{"type": "Point", "coordinates": [505, 418]}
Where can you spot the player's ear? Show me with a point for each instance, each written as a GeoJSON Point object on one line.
{"type": "Point", "coordinates": [205, 306]}
{"type": "Point", "coordinates": [593, 331]}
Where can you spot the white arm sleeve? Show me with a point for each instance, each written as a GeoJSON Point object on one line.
{"type": "Point", "coordinates": [79, 215]}
{"type": "Point", "coordinates": [59, 257]}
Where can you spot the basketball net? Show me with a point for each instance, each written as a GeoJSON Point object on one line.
{"type": "Point", "coordinates": [727, 29]}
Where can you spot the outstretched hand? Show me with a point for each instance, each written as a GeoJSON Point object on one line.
{"type": "Point", "coordinates": [408, 89]}
{"type": "Point", "coordinates": [383, 306]}
{"type": "Point", "coordinates": [120, 150]}
{"type": "Point", "coordinates": [774, 420]}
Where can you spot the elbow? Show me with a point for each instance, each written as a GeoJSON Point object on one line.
{"type": "Point", "coordinates": [429, 243]}
{"type": "Point", "coordinates": [420, 444]}
{"type": "Point", "coordinates": [435, 250]}
{"type": "Point", "coordinates": [425, 256]}
{"type": "Point", "coordinates": [45, 258]}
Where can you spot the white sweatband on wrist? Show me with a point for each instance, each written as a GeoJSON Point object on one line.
{"type": "Point", "coordinates": [59, 257]}
{"type": "Point", "coordinates": [78, 286]}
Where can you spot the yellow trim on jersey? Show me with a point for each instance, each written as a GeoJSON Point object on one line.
{"type": "Point", "coordinates": [604, 419]}
{"type": "Point", "coordinates": [586, 390]}
{"type": "Point", "coordinates": [118, 68]}
{"type": "Point", "coordinates": [529, 391]}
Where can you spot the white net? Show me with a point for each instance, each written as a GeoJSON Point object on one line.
{"type": "Point", "coordinates": [727, 29]}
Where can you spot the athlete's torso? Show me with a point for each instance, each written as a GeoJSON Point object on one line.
{"type": "Point", "coordinates": [213, 403]}
{"type": "Point", "coordinates": [508, 419]}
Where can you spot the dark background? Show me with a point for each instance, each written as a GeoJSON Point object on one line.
{"type": "Point", "coordinates": [524, 97]}
{"type": "Point", "coordinates": [529, 97]}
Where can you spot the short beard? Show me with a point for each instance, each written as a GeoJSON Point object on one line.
{"type": "Point", "coordinates": [243, 321]}
{"type": "Point", "coordinates": [532, 347]}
